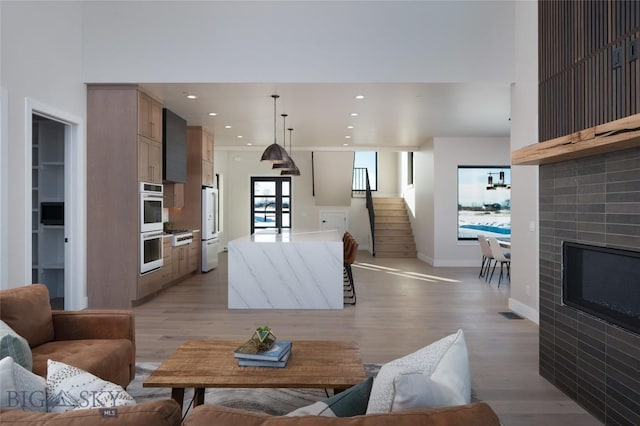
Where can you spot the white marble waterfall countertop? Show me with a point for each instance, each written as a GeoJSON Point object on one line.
{"type": "Point", "coordinates": [286, 271]}
{"type": "Point", "coordinates": [298, 237]}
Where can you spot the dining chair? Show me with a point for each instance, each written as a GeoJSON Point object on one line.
{"type": "Point", "coordinates": [500, 256]}
{"type": "Point", "coordinates": [487, 256]}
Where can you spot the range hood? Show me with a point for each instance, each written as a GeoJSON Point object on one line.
{"type": "Point", "coordinates": [174, 147]}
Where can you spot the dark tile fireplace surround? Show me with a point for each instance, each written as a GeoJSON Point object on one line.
{"type": "Point", "coordinates": [593, 200]}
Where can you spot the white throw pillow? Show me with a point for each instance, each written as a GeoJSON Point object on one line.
{"type": "Point", "coordinates": [20, 388]}
{"type": "Point", "coordinates": [449, 383]}
{"type": "Point", "coordinates": [70, 388]}
{"type": "Point", "coordinates": [14, 345]}
{"type": "Point", "coordinates": [437, 375]}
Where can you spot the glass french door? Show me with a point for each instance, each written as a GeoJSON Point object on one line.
{"type": "Point", "coordinates": [270, 203]}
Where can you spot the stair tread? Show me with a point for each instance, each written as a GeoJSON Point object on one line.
{"type": "Point", "coordinates": [393, 232]}
{"type": "Point", "coordinates": [393, 227]}
{"type": "Point", "coordinates": [398, 255]}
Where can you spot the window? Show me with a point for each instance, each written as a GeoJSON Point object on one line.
{"type": "Point", "coordinates": [484, 201]}
{"type": "Point", "coordinates": [271, 203]}
{"type": "Point", "coordinates": [365, 160]}
{"type": "Point", "coordinates": [410, 168]}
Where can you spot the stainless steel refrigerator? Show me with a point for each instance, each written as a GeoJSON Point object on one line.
{"type": "Point", "coordinates": [210, 229]}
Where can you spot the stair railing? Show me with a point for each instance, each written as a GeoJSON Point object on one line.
{"type": "Point", "coordinates": [372, 214]}
{"type": "Point", "coordinates": [358, 185]}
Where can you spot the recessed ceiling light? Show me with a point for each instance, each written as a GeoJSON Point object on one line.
{"type": "Point", "coordinates": [213, 114]}
{"type": "Point", "coordinates": [249, 144]}
{"type": "Point", "coordinates": [227, 127]}
{"type": "Point", "coordinates": [240, 136]}
{"type": "Point", "coordinates": [349, 127]}
{"type": "Point", "coordinates": [359, 96]}
{"type": "Point", "coordinates": [192, 97]}
{"type": "Point", "coordinates": [354, 114]}
{"type": "Point", "coordinates": [347, 137]}
{"type": "Point", "coordinates": [345, 144]}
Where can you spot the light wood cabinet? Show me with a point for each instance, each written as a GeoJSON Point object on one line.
{"type": "Point", "coordinates": [167, 261]}
{"type": "Point", "coordinates": [185, 259]}
{"type": "Point", "coordinates": [194, 256]}
{"type": "Point", "coordinates": [124, 146]}
{"type": "Point", "coordinates": [200, 172]}
{"type": "Point", "coordinates": [149, 139]}
{"type": "Point", "coordinates": [207, 173]}
{"type": "Point", "coordinates": [180, 261]}
{"type": "Point", "coordinates": [207, 146]}
{"type": "Point", "coordinates": [174, 195]}
{"type": "Point", "coordinates": [149, 117]}
{"type": "Point", "coordinates": [149, 283]}
{"type": "Point", "coordinates": [149, 160]}
{"type": "Point", "coordinates": [207, 159]}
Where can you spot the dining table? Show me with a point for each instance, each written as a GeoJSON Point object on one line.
{"type": "Point", "coordinates": [505, 244]}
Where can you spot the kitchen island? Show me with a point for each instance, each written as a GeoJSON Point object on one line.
{"type": "Point", "coordinates": [286, 271]}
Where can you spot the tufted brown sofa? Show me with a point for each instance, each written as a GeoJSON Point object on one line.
{"type": "Point", "coordinates": [101, 342]}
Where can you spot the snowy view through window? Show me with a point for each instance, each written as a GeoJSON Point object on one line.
{"type": "Point", "coordinates": [482, 210]}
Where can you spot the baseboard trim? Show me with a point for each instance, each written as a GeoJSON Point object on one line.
{"type": "Point", "coordinates": [425, 258]}
{"type": "Point", "coordinates": [524, 310]}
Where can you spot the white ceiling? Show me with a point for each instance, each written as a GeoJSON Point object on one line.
{"type": "Point", "coordinates": [392, 116]}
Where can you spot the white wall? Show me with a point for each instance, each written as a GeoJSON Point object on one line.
{"type": "Point", "coordinates": [407, 191]}
{"type": "Point", "coordinates": [433, 199]}
{"type": "Point", "coordinates": [524, 131]}
{"type": "Point", "coordinates": [388, 174]}
{"type": "Point", "coordinates": [422, 214]}
{"type": "Point", "coordinates": [4, 187]}
{"type": "Point", "coordinates": [333, 174]}
{"type": "Point", "coordinates": [41, 51]}
{"type": "Point", "coordinates": [227, 41]}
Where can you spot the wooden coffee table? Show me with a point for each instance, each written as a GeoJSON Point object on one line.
{"type": "Point", "coordinates": [201, 364]}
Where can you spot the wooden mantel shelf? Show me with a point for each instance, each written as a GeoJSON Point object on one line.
{"type": "Point", "coordinates": [609, 137]}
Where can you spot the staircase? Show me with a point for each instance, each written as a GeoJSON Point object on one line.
{"type": "Point", "coordinates": [394, 237]}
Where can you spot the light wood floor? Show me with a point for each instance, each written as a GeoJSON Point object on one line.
{"type": "Point", "coordinates": [403, 305]}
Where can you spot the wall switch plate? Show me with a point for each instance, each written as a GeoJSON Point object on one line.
{"type": "Point", "coordinates": [532, 226]}
{"type": "Point", "coordinates": [616, 57]}
{"type": "Point", "coordinates": [632, 48]}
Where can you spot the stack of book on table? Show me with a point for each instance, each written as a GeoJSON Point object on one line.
{"type": "Point", "coordinates": [249, 356]}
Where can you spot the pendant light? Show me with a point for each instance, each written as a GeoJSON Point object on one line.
{"type": "Point", "coordinates": [274, 152]}
{"type": "Point", "coordinates": [497, 185]}
{"type": "Point", "coordinates": [287, 165]}
{"type": "Point", "coordinates": [295, 171]}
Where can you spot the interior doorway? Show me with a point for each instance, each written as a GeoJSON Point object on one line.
{"type": "Point", "coordinates": [48, 177]}
{"type": "Point", "coordinates": [55, 208]}
{"type": "Point", "coordinates": [333, 220]}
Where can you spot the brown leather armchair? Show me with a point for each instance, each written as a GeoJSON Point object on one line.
{"type": "Point", "coordinates": [101, 342]}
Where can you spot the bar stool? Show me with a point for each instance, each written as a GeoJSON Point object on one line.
{"type": "Point", "coordinates": [350, 248]}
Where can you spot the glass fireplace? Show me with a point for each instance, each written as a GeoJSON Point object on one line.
{"type": "Point", "coordinates": [604, 282]}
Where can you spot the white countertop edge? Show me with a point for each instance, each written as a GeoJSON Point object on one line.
{"type": "Point", "coordinates": [292, 237]}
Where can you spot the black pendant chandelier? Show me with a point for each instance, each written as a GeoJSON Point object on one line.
{"type": "Point", "coordinates": [295, 171]}
{"type": "Point", "coordinates": [274, 152]}
{"type": "Point", "coordinates": [500, 184]}
{"type": "Point", "coordinates": [289, 164]}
